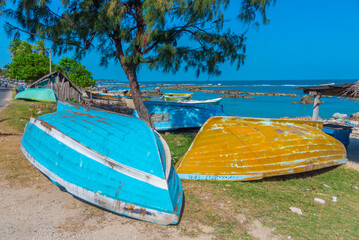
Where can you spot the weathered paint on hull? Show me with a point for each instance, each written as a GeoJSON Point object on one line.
{"type": "Point", "coordinates": [37, 94]}
{"type": "Point", "coordinates": [214, 101]}
{"type": "Point", "coordinates": [240, 149]}
{"type": "Point", "coordinates": [103, 96]}
{"type": "Point", "coordinates": [174, 115]}
{"type": "Point", "coordinates": [177, 96]}
{"type": "Point", "coordinates": [143, 97]}
{"type": "Point", "coordinates": [89, 153]}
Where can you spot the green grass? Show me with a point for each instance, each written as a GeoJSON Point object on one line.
{"type": "Point", "coordinates": [179, 144]}
{"type": "Point", "coordinates": [17, 115]}
{"type": "Point", "coordinates": [217, 204]}
{"type": "Point", "coordinates": [269, 200]}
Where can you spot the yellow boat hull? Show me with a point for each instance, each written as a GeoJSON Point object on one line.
{"type": "Point", "coordinates": [241, 149]}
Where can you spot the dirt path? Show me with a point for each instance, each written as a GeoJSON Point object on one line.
{"type": "Point", "coordinates": [5, 96]}
{"type": "Point", "coordinates": [44, 212]}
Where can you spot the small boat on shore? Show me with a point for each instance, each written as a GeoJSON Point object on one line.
{"type": "Point", "coordinates": [129, 100]}
{"type": "Point", "coordinates": [110, 160]}
{"type": "Point", "coordinates": [214, 101]}
{"type": "Point", "coordinates": [177, 96]}
{"type": "Point", "coordinates": [106, 96]}
{"type": "Point", "coordinates": [241, 149]}
{"type": "Point", "coordinates": [37, 94]}
{"type": "Point", "coordinates": [144, 97]}
{"type": "Point", "coordinates": [174, 115]}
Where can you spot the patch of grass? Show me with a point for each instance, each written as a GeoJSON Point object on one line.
{"type": "Point", "coordinates": [178, 144]}
{"type": "Point", "coordinates": [18, 113]}
{"type": "Point", "coordinates": [17, 170]}
{"type": "Point", "coordinates": [269, 201]}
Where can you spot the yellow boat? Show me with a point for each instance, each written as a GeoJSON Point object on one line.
{"type": "Point", "coordinates": [241, 149]}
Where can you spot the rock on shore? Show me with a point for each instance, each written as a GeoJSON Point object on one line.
{"type": "Point", "coordinates": [308, 100]}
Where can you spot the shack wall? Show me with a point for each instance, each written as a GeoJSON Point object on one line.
{"type": "Point", "coordinates": [61, 87]}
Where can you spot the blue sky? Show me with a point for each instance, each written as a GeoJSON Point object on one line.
{"type": "Point", "coordinates": [304, 40]}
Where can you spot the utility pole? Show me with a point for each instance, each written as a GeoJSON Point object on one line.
{"type": "Point", "coordinates": [50, 59]}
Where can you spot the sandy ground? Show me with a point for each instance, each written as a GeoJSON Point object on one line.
{"type": "Point", "coordinates": [44, 212]}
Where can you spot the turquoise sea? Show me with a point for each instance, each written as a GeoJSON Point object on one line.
{"type": "Point", "coordinates": [267, 106]}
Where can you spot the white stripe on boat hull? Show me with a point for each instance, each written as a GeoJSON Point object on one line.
{"type": "Point", "coordinates": [116, 206]}
{"type": "Point", "coordinates": [126, 170]}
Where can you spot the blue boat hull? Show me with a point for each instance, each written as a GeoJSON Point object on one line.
{"type": "Point", "coordinates": [115, 162]}
{"type": "Point", "coordinates": [174, 115]}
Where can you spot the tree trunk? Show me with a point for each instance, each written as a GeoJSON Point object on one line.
{"type": "Point", "coordinates": [130, 70]}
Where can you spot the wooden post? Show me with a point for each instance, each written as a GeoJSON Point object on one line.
{"type": "Point", "coordinates": [316, 106]}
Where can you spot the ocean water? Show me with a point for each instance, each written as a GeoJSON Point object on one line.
{"type": "Point", "coordinates": [268, 106]}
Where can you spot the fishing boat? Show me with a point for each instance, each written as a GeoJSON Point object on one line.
{"type": "Point", "coordinates": [144, 97]}
{"type": "Point", "coordinates": [110, 160]}
{"type": "Point", "coordinates": [214, 101]}
{"type": "Point", "coordinates": [240, 149]}
{"type": "Point", "coordinates": [129, 100]}
{"type": "Point", "coordinates": [20, 88]}
{"type": "Point", "coordinates": [174, 115]}
{"type": "Point", "coordinates": [37, 94]}
{"type": "Point", "coordinates": [177, 96]}
{"type": "Point", "coordinates": [106, 96]}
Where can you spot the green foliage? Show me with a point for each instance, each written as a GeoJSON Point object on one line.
{"type": "Point", "coordinates": [164, 34]}
{"type": "Point", "coordinates": [76, 72]}
{"type": "Point", "coordinates": [40, 48]}
{"type": "Point", "coordinates": [17, 46]}
{"type": "Point", "coordinates": [29, 66]}
{"type": "Point", "coordinates": [251, 7]}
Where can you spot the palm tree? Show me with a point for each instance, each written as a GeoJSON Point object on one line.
{"type": "Point", "coordinates": [14, 47]}
{"type": "Point", "coordinates": [18, 46]}
{"type": "Point", "coordinates": [40, 47]}
{"type": "Point", "coordinates": [26, 48]}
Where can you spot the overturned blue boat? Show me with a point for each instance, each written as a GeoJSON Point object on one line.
{"type": "Point", "coordinates": [175, 115]}
{"type": "Point", "coordinates": [110, 160]}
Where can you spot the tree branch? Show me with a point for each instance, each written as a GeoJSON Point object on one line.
{"type": "Point", "coordinates": [34, 34]}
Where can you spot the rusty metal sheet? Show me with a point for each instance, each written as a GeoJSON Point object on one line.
{"type": "Point", "coordinates": [239, 149]}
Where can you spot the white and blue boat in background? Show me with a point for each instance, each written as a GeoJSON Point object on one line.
{"type": "Point", "coordinates": [175, 115]}
{"type": "Point", "coordinates": [110, 160]}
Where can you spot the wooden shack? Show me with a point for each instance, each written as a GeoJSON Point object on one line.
{"type": "Point", "coordinates": [63, 88]}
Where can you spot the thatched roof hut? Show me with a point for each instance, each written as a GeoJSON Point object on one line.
{"type": "Point", "coordinates": [63, 88]}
